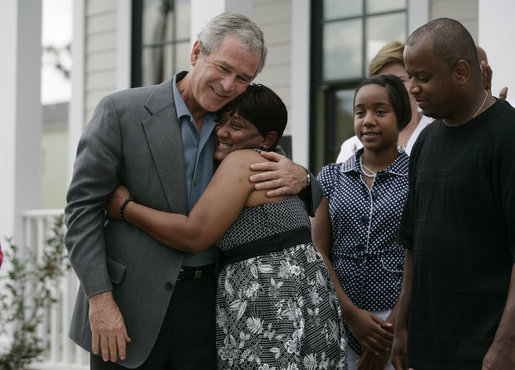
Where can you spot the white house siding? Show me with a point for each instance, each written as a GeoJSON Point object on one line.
{"type": "Point", "coordinates": [274, 18]}
{"type": "Point", "coordinates": [100, 52]}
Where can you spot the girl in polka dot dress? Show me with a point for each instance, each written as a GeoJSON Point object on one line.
{"type": "Point", "coordinates": [356, 224]}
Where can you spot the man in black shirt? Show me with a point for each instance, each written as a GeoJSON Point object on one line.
{"type": "Point", "coordinates": [457, 304]}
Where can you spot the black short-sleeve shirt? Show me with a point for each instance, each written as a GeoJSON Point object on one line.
{"type": "Point", "coordinates": [459, 221]}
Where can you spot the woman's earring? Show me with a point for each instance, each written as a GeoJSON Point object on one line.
{"type": "Point", "coordinates": [400, 149]}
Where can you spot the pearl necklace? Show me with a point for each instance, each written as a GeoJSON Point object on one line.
{"type": "Point", "coordinates": [484, 101]}
{"type": "Point", "coordinates": [371, 174]}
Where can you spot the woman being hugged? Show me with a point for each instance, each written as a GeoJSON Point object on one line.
{"type": "Point", "coordinates": [356, 224]}
{"type": "Point", "coordinates": [276, 304]}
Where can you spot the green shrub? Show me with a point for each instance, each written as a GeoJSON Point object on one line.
{"type": "Point", "coordinates": [25, 296]}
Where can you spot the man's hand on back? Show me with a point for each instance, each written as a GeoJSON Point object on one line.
{"type": "Point", "coordinates": [279, 176]}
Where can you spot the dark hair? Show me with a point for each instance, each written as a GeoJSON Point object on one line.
{"type": "Point", "coordinates": [396, 92]}
{"type": "Point", "coordinates": [262, 107]}
{"type": "Point", "coordinates": [451, 41]}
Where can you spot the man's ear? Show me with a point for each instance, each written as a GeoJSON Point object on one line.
{"type": "Point", "coordinates": [461, 71]}
{"type": "Point", "coordinates": [270, 139]}
{"type": "Point", "coordinates": [195, 52]}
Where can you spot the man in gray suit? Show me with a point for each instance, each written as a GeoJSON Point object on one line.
{"type": "Point", "coordinates": [141, 304]}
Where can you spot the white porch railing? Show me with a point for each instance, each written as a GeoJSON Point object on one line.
{"type": "Point", "coordinates": [61, 352]}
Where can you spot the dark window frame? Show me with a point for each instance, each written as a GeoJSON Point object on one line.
{"type": "Point", "coordinates": [322, 116]}
{"type": "Point", "coordinates": [137, 44]}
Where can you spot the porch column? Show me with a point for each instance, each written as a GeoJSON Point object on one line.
{"type": "Point", "coordinates": [20, 114]}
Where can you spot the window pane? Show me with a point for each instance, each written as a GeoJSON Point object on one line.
{"type": "Point", "coordinates": [159, 63]}
{"type": "Point", "coordinates": [182, 60]}
{"type": "Point", "coordinates": [165, 35]}
{"type": "Point", "coordinates": [169, 65]}
{"type": "Point", "coordinates": [342, 50]}
{"type": "Point", "coordinates": [152, 65]}
{"type": "Point", "coordinates": [383, 29]}
{"type": "Point", "coordinates": [334, 9]}
{"type": "Point", "coordinates": [375, 6]}
{"type": "Point", "coordinates": [156, 21]}
{"type": "Point", "coordinates": [344, 119]}
{"type": "Point", "coordinates": [182, 17]}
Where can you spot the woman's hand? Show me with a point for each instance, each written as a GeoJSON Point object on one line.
{"type": "Point", "coordinates": [373, 333]}
{"type": "Point", "coordinates": [115, 201]}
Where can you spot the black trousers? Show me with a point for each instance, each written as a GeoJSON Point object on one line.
{"type": "Point", "coordinates": [187, 338]}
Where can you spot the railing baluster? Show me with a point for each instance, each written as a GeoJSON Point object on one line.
{"type": "Point", "coordinates": [62, 352]}
{"type": "Point", "coordinates": [67, 289]}
{"type": "Point", "coordinates": [39, 242]}
{"type": "Point", "coordinates": [54, 326]}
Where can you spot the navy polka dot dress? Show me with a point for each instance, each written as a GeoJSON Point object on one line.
{"type": "Point", "coordinates": [365, 222]}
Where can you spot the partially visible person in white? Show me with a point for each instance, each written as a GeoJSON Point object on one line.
{"type": "Point", "coordinates": [388, 60]}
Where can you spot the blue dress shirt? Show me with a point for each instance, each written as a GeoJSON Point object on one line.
{"type": "Point", "coordinates": [198, 148]}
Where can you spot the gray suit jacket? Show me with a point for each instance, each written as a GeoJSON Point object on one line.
{"type": "Point", "coordinates": [133, 139]}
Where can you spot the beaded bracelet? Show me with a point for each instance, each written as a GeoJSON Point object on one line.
{"type": "Point", "coordinates": [124, 204]}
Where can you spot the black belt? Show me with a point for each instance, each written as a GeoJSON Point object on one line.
{"type": "Point", "coordinates": [188, 272]}
{"type": "Point", "coordinates": [274, 243]}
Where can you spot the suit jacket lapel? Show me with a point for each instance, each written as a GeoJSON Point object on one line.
{"type": "Point", "coordinates": [163, 136]}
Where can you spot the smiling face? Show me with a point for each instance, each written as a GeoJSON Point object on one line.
{"type": "Point", "coordinates": [235, 133]}
{"type": "Point", "coordinates": [432, 82]}
{"type": "Point", "coordinates": [375, 120]}
{"type": "Point", "coordinates": [220, 76]}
